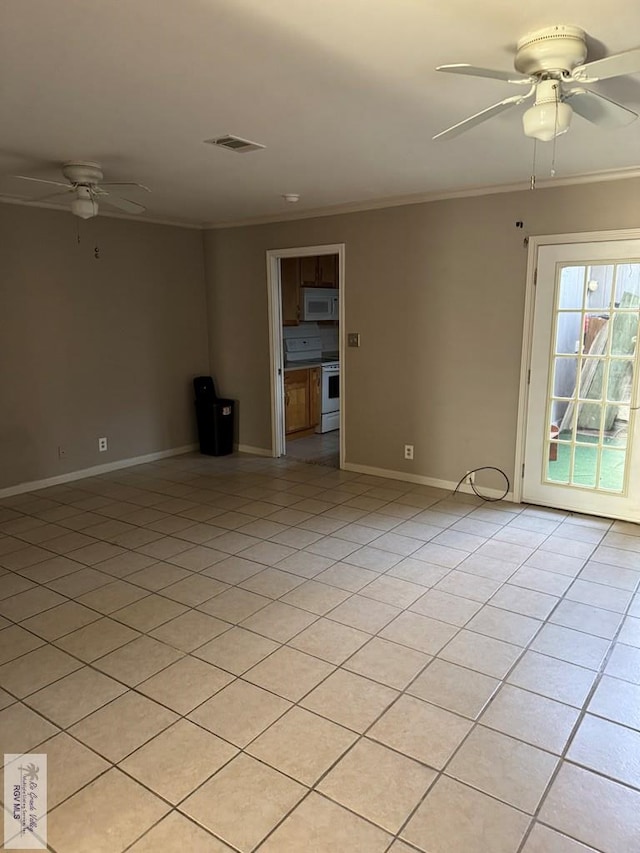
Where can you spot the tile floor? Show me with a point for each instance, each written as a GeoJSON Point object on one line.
{"type": "Point", "coordinates": [253, 654]}
{"type": "Point", "coordinates": [319, 449]}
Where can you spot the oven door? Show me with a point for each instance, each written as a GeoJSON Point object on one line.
{"type": "Point", "coordinates": [330, 390]}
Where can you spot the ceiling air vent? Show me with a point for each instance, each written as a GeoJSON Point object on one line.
{"type": "Point", "coordinates": [235, 143]}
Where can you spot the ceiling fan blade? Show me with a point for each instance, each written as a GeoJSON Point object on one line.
{"type": "Point", "coordinates": [483, 115]}
{"type": "Point", "coordinates": [53, 195]}
{"type": "Point", "coordinates": [474, 71]}
{"type": "Point", "coordinates": [42, 181]}
{"type": "Point", "coordinates": [123, 204]}
{"type": "Point", "coordinates": [125, 184]}
{"type": "Point", "coordinates": [598, 109]}
{"type": "Point", "coordinates": [611, 66]}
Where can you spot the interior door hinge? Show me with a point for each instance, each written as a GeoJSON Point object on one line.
{"type": "Point", "coordinates": [523, 469]}
{"type": "Point", "coordinates": [535, 276]}
{"type": "Point", "coordinates": [528, 377]}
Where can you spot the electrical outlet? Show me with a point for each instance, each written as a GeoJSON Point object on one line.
{"type": "Point", "coordinates": [408, 451]}
{"type": "Point", "coordinates": [61, 452]}
{"type": "Point", "coordinates": [102, 444]}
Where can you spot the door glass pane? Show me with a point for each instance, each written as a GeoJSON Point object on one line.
{"type": "Point", "coordinates": [612, 467]}
{"type": "Point", "coordinates": [599, 286]}
{"type": "Point", "coordinates": [568, 333]}
{"type": "Point", "coordinates": [625, 333]}
{"type": "Point", "coordinates": [588, 421]}
{"type": "Point", "coordinates": [627, 282]}
{"type": "Point", "coordinates": [571, 288]}
{"type": "Point", "coordinates": [558, 462]}
{"type": "Point", "coordinates": [620, 381]}
{"type": "Point", "coordinates": [596, 334]}
{"type": "Point", "coordinates": [589, 406]}
{"type": "Point", "coordinates": [585, 463]}
{"type": "Point", "coordinates": [591, 376]}
{"type": "Point", "coordinates": [564, 380]}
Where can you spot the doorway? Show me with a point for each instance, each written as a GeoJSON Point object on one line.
{"type": "Point", "coordinates": [306, 287]}
{"type": "Point", "coordinates": [580, 425]}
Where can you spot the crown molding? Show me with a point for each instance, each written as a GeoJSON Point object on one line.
{"type": "Point", "coordinates": [356, 206]}
{"type": "Point", "coordinates": [422, 198]}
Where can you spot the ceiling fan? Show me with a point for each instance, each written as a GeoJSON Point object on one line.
{"type": "Point", "coordinates": [551, 62]}
{"type": "Point", "coordinates": [85, 189]}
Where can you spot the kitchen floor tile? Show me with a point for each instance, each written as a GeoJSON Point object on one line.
{"type": "Point", "coordinates": [185, 684]}
{"type": "Point", "coordinates": [302, 745]}
{"type": "Point", "coordinates": [120, 809]}
{"type": "Point", "coordinates": [365, 614]}
{"type": "Point", "coordinates": [279, 621]}
{"type": "Point", "coordinates": [70, 766]}
{"type": "Point", "coordinates": [460, 690]}
{"type": "Point", "coordinates": [553, 678]}
{"type": "Point", "coordinates": [289, 673]}
{"type": "Point", "coordinates": [15, 641]}
{"type": "Point", "coordinates": [378, 784]}
{"type": "Point", "coordinates": [593, 810]}
{"type": "Point", "coordinates": [97, 639]}
{"type": "Point", "coordinates": [387, 662]}
{"type": "Point", "coordinates": [68, 700]}
{"type": "Point", "coordinates": [454, 817]}
{"type": "Point", "coordinates": [532, 718]}
{"type": "Point", "coordinates": [607, 748]}
{"type": "Point", "coordinates": [484, 654]}
{"type": "Point", "coordinates": [176, 833]}
{"type": "Point", "coordinates": [322, 826]}
{"type": "Point", "coordinates": [178, 760]}
{"type": "Point", "coordinates": [349, 699]}
{"type": "Point", "coordinates": [248, 788]}
{"type": "Point", "coordinates": [421, 731]}
{"type": "Point", "coordinates": [446, 607]}
{"type": "Point", "coordinates": [419, 632]}
{"type": "Point", "coordinates": [103, 731]}
{"type": "Point", "coordinates": [617, 700]}
{"type": "Point", "coordinates": [237, 650]}
{"type": "Point", "coordinates": [240, 712]}
{"type": "Point", "coordinates": [330, 641]}
{"type": "Point", "coordinates": [138, 660]}
{"type": "Point", "coordinates": [503, 767]}
{"type": "Point", "coordinates": [35, 670]}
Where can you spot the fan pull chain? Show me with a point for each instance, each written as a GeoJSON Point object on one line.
{"type": "Point", "coordinates": [555, 135]}
{"type": "Point", "coordinates": [532, 183]}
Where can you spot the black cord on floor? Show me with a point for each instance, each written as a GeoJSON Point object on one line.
{"type": "Point", "coordinates": [473, 487]}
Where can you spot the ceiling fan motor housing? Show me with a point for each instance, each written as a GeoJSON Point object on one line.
{"type": "Point", "coordinates": [558, 48]}
{"type": "Point", "coordinates": [82, 172]}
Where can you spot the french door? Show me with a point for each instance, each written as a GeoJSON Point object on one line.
{"type": "Point", "coordinates": [582, 449]}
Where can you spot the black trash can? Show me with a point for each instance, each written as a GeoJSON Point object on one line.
{"type": "Point", "coordinates": [215, 418]}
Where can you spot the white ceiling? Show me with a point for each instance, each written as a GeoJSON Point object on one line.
{"type": "Point", "coordinates": [342, 92]}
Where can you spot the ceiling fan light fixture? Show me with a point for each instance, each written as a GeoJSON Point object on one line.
{"type": "Point", "coordinates": [546, 121]}
{"type": "Point", "coordinates": [84, 205]}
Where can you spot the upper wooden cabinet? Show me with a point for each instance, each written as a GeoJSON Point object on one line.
{"type": "Point", "coordinates": [319, 271]}
{"type": "Point", "coordinates": [327, 270]}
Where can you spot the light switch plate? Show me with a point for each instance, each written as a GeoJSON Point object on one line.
{"type": "Point", "coordinates": [353, 339]}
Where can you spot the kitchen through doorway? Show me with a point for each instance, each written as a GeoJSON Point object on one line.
{"type": "Point", "coordinates": [305, 307]}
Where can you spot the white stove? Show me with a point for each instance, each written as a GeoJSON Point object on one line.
{"type": "Point", "coordinates": [330, 397]}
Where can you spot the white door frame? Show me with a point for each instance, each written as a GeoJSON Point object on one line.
{"type": "Point", "coordinates": [274, 298]}
{"type": "Point", "coordinates": [535, 243]}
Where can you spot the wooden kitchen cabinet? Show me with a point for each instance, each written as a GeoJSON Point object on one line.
{"type": "Point", "coordinates": [290, 289]}
{"type": "Point", "coordinates": [315, 378]}
{"type": "Point", "coordinates": [301, 399]}
{"type": "Point", "coordinates": [319, 271]}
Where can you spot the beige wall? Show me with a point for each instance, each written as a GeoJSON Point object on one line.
{"type": "Point", "coordinates": [437, 293]}
{"type": "Point", "coordinates": [92, 347]}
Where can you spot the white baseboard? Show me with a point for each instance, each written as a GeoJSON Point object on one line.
{"type": "Point", "coordinates": [83, 473]}
{"type": "Point", "coordinates": [255, 451]}
{"type": "Point", "coordinates": [419, 479]}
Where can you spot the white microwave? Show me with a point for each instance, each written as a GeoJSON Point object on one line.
{"type": "Point", "coordinates": [320, 303]}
